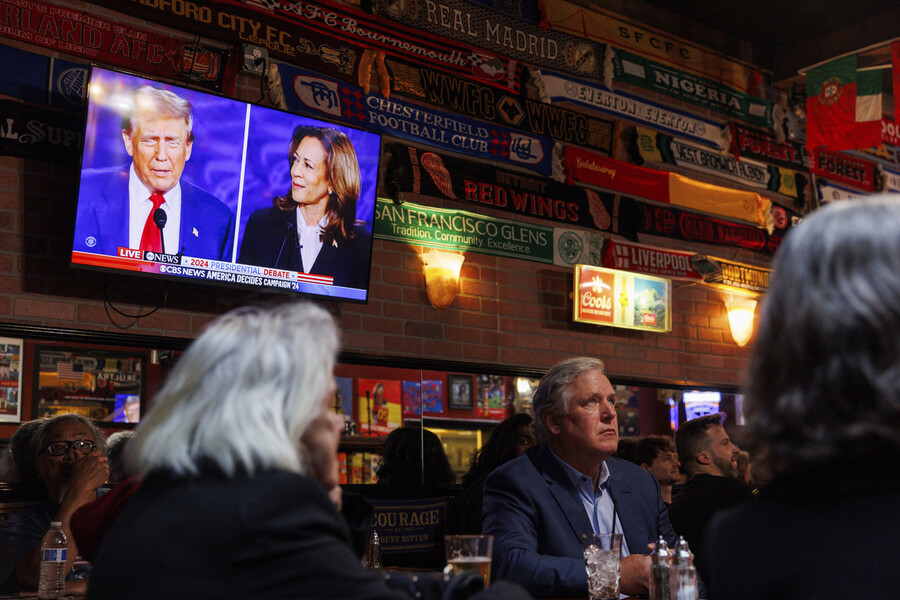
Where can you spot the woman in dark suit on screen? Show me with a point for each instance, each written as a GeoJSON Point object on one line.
{"type": "Point", "coordinates": [313, 228]}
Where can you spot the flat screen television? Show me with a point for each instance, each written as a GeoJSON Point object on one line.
{"type": "Point", "coordinates": [701, 403]}
{"type": "Point", "coordinates": [219, 223]}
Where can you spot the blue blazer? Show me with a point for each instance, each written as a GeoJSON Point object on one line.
{"type": "Point", "coordinates": [270, 238]}
{"type": "Point", "coordinates": [101, 223]}
{"type": "Point", "coordinates": [534, 513]}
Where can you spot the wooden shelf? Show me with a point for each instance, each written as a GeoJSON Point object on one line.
{"type": "Point", "coordinates": [357, 443]}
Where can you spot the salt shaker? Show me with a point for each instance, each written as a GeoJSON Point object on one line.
{"type": "Point", "coordinates": [373, 552]}
{"type": "Point", "coordinates": [660, 588]}
{"type": "Point", "coordinates": [684, 573]}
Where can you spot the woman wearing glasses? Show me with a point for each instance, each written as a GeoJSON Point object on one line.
{"type": "Point", "coordinates": [71, 462]}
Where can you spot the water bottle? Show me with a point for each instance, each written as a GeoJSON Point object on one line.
{"type": "Point", "coordinates": [660, 571]}
{"type": "Point", "coordinates": [53, 563]}
{"type": "Point", "coordinates": [684, 573]}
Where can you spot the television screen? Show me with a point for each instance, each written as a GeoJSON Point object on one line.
{"type": "Point", "coordinates": [127, 409]}
{"type": "Point", "coordinates": [700, 403]}
{"type": "Point", "coordinates": [185, 184]}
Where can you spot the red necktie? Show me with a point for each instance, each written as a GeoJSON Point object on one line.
{"type": "Point", "coordinates": [151, 238]}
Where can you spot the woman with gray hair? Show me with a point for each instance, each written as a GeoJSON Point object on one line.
{"type": "Point", "coordinates": [240, 479]}
{"type": "Point", "coordinates": [238, 458]}
{"type": "Point", "coordinates": [822, 406]}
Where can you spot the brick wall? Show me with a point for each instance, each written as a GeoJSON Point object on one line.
{"type": "Point", "coordinates": [508, 311]}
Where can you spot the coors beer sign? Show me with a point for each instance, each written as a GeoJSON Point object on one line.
{"type": "Point", "coordinates": [620, 299]}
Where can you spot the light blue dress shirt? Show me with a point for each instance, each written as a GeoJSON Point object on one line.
{"type": "Point", "coordinates": [598, 502]}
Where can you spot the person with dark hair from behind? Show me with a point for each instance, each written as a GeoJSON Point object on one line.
{"type": "Point", "coordinates": [822, 410]}
{"type": "Point", "coordinates": [116, 444]}
{"type": "Point", "coordinates": [509, 439]}
{"type": "Point", "coordinates": [710, 457]}
{"type": "Point", "coordinates": [657, 455]}
{"type": "Point", "coordinates": [238, 457]}
{"type": "Point", "coordinates": [629, 449]}
{"type": "Point", "coordinates": [70, 461]}
{"type": "Point", "coordinates": [23, 461]}
{"type": "Point", "coordinates": [402, 464]}
{"type": "Point", "coordinates": [313, 227]}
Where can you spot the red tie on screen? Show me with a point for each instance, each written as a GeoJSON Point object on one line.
{"type": "Point", "coordinates": [151, 239]}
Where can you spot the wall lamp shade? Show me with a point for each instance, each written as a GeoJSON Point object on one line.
{"type": "Point", "coordinates": [741, 312]}
{"type": "Point", "coordinates": [442, 277]}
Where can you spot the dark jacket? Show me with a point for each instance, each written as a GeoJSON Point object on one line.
{"type": "Point", "coordinates": [272, 535]}
{"type": "Point", "coordinates": [701, 498]}
{"type": "Point", "coordinates": [799, 540]}
{"type": "Point", "coordinates": [101, 223]}
{"type": "Point", "coordinates": [534, 513]}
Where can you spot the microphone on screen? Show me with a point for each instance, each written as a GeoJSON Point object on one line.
{"type": "Point", "coordinates": [160, 217]}
{"type": "Point", "coordinates": [290, 229]}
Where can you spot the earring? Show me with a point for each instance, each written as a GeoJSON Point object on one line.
{"type": "Point", "coordinates": [330, 192]}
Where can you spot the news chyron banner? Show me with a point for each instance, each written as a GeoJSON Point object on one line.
{"type": "Point", "coordinates": [215, 271]}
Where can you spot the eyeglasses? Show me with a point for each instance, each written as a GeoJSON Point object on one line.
{"type": "Point", "coordinates": [62, 447]}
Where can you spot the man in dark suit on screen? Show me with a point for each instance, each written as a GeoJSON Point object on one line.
{"type": "Point", "coordinates": [146, 205]}
{"type": "Point", "coordinates": [537, 505]}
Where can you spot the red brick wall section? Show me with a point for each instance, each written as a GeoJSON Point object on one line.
{"type": "Point", "coordinates": [508, 311]}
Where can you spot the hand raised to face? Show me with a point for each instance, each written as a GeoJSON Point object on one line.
{"type": "Point", "coordinates": [89, 471]}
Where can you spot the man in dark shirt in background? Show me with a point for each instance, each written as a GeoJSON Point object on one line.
{"type": "Point", "coordinates": [710, 458]}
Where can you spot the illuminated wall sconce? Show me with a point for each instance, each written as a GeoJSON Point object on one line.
{"type": "Point", "coordinates": [442, 277]}
{"type": "Point", "coordinates": [741, 311]}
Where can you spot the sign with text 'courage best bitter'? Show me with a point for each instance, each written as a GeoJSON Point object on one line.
{"type": "Point", "coordinates": [621, 299]}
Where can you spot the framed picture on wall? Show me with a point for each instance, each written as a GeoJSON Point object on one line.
{"type": "Point", "coordinates": [459, 392]}
{"type": "Point", "coordinates": [11, 379]}
{"type": "Point", "coordinates": [98, 384]}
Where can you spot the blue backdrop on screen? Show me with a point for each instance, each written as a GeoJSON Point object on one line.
{"type": "Point", "coordinates": [218, 131]}
{"type": "Point", "coordinates": [268, 173]}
